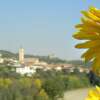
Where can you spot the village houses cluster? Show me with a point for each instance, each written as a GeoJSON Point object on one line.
{"type": "Point", "coordinates": [30, 65]}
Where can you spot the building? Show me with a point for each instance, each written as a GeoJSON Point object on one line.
{"type": "Point", "coordinates": [1, 59]}
{"type": "Point", "coordinates": [28, 61]}
{"type": "Point", "coordinates": [25, 70]}
{"type": "Point", "coordinates": [31, 61]}
{"type": "Point", "coordinates": [21, 55]}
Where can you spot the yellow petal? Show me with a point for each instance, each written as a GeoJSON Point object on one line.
{"type": "Point", "coordinates": [85, 36]}
{"type": "Point", "coordinates": [88, 44]}
{"type": "Point", "coordinates": [91, 16]}
{"type": "Point", "coordinates": [95, 11]}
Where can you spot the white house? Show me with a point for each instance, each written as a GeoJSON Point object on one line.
{"type": "Point", "coordinates": [25, 70]}
{"type": "Point", "coordinates": [1, 59]}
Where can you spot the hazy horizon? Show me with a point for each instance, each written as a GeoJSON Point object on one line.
{"type": "Point", "coordinates": [41, 27]}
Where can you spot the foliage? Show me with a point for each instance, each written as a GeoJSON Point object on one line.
{"type": "Point", "coordinates": [44, 85]}
{"type": "Point", "coordinates": [79, 62]}
{"type": "Point", "coordinates": [54, 88]}
{"type": "Point", "coordinates": [21, 89]}
{"type": "Point", "coordinates": [56, 83]}
{"type": "Point", "coordinates": [75, 82]}
{"type": "Point", "coordinates": [8, 71]}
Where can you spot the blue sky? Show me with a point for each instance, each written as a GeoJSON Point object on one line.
{"type": "Point", "coordinates": [42, 27]}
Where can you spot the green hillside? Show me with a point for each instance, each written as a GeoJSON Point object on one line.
{"type": "Point", "coordinates": [7, 54]}
{"type": "Point", "coordinates": [55, 60]}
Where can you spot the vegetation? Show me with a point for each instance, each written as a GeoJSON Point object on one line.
{"type": "Point", "coordinates": [44, 85]}
{"type": "Point", "coordinates": [48, 85]}
{"type": "Point", "coordinates": [7, 54]}
{"type": "Point", "coordinates": [79, 62]}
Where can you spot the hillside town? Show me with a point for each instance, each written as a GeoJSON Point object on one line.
{"type": "Point", "coordinates": [28, 65]}
{"type": "Point", "coordinates": [39, 56]}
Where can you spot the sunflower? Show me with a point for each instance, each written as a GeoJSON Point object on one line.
{"type": "Point", "coordinates": [94, 94]}
{"type": "Point", "coordinates": [89, 32]}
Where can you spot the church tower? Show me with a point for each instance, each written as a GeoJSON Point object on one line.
{"type": "Point", "coordinates": [21, 55]}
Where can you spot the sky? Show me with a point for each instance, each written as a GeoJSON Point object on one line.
{"type": "Point", "coordinates": [42, 27]}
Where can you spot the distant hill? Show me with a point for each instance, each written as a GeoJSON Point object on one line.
{"type": "Point", "coordinates": [55, 60]}
{"type": "Point", "coordinates": [79, 62]}
{"type": "Point", "coordinates": [7, 54]}
{"type": "Point", "coordinates": [49, 60]}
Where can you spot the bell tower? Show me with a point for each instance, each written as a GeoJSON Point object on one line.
{"type": "Point", "coordinates": [21, 55]}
